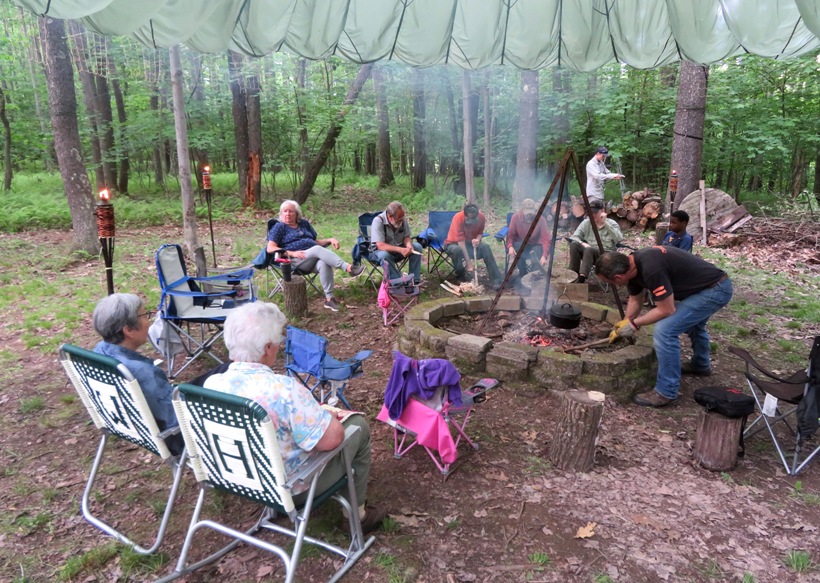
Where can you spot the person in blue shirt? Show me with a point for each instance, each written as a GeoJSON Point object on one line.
{"type": "Point", "coordinates": [677, 235]}
{"type": "Point", "coordinates": [123, 322]}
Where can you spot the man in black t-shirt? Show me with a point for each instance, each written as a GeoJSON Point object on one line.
{"type": "Point", "coordinates": [687, 290]}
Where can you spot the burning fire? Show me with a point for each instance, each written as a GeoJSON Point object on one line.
{"type": "Point", "coordinates": [105, 195]}
{"type": "Point", "coordinates": [539, 340]}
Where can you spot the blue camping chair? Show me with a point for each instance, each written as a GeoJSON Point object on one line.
{"type": "Point", "coordinates": [433, 237]}
{"type": "Point", "coordinates": [306, 358]}
{"type": "Point", "coordinates": [362, 251]}
{"type": "Point", "coordinates": [195, 308]}
{"type": "Point", "coordinates": [273, 270]}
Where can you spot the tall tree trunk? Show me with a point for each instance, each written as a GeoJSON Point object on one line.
{"type": "Point", "coordinates": [254, 142]}
{"type": "Point", "coordinates": [527, 138]}
{"type": "Point", "coordinates": [419, 141]}
{"type": "Point", "coordinates": [7, 169]}
{"type": "Point", "coordinates": [304, 155]}
{"type": "Point", "coordinates": [125, 163]}
{"type": "Point", "coordinates": [816, 189]}
{"type": "Point", "coordinates": [452, 165]}
{"type": "Point", "coordinates": [690, 113]}
{"type": "Point", "coordinates": [797, 179]}
{"type": "Point", "coordinates": [370, 159]}
{"type": "Point", "coordinates": [152, 73]}
{"type": "Point", "coordinates": [333, 132]}
{"type": "Point", "coordinates": [106, 116]}
{"type": "Point", "coordinates": [196, 116]}
{"type": "Point", "coordinates": [386, 177]}
{"type": "Point", "coordinates": [357, 161]}
{"type": "Point", "coordinates": [466, 103]}
{"type": "Point", "coordinates": [63, 106]}
{"type": "Point", "coordinates": [89, 89]}
{"type": "Point", "coordinates": [33, 57]}
{"type": "Point", "coordinates": [240, 120]}
{"type": "Point", "coordinates": [488, 138]}
{"type": "Point", "coordinates": [184, 164]}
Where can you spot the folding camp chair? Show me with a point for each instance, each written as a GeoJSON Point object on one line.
{"type": "Point", "coordinates": [438, 226]}
{"type": "Point", "coordinates": [201, 302]}
{"type": "Point", "coordinates": [373, 269]}
{"type": "Point", "coordinates": [425, 406]}
{"type": "Point", "coordinates": [501, 236]}
{"type": "Point", "coordinates": [306, 358]}
{"type": "Point", "coordinates": [273, 269]}
{"type": "Point", "coordinates": [117, 407]}
{"type": "Point", "coordinates": [233, 448]}
{"type": "Point", "coordinates": [794, 398]}
{"type": "Point", "coordinates": [396, 295]}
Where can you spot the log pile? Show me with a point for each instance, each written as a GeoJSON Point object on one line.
{"type": "Point", "coordinates": [639, 209]}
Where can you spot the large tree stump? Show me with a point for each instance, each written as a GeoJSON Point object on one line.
{"type": "Point", "coordinates": [573, 445]}
{"type": "Point", "coordinates": [717, 441]}
{"type": "Point", "coordinates": [295, 292]}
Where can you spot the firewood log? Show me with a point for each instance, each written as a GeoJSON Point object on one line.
{"type": "Point", "coordinates": [643, 222]}
{"type": "Point", "coordinates": [620, 210]}
{"type": "Point", "coordinates": [632, 216]}
{"type": "Point", "coordinates": [651, 210]}
{"type": "Point", "coordinates": [578, 210]}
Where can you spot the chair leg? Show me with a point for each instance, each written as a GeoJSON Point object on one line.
{"type": "Point", "coordinates": [178, 469]}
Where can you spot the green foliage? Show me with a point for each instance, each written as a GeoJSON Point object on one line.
{"type": "Point", "coordinates": [799, 561]}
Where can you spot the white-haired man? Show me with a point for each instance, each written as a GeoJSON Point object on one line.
{"type": "Point", "coordinates": [253, 335]}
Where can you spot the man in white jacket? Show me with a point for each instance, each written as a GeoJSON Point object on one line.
{"type": "Point", "coordinates": [597, 173]}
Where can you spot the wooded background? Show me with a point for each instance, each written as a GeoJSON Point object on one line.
{"type": "Point", "coordinates": [746, 124]}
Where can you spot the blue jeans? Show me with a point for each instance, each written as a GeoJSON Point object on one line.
{"type": "Point", "coordinates": [392, 258]}
{"type": "Point", "coordinates": [690, 317]}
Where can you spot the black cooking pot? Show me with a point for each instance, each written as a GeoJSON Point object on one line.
{"type": "Point", "coordinates": [565, 316]}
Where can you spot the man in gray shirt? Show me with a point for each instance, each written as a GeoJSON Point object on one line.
{"type": "Point", "coordinates": [597, 173]}
{"type": "Point", "coordinates": [390, 241]}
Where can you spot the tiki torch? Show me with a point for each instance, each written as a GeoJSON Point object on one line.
{"type": "Point", "coordinates": [206, 185]}
{"type": "Point", "coordinates": [105, 231]}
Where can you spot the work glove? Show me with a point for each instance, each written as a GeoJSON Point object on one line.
{"type": "Point", "coordinates": [624, 329]}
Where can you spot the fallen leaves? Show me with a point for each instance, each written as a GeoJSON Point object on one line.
{"type": "Point", "coordinates": [586, 531]}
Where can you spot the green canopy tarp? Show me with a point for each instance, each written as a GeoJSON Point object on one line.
{"type": "Point", "coordinates": [530, 34]}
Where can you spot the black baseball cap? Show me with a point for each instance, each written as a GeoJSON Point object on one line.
{"type": "Point", "coordinates": [602, 150]}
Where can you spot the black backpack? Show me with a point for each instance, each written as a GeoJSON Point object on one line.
{"type": "Point", "coordinates": [727, 401]}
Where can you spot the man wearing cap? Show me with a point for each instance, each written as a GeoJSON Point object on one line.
{"type": "Point", "coordinates": [390, 241]}
{"type": "Point", "coordinates": [597, 173]}
{"type": "Point", "coordinates": [538, 246]}
{"type": "Point", "coordinates": [463, 243]}
{"type": "Point", "coordinates": [583, 248]}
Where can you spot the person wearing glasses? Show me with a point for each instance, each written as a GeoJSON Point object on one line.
{"type": "Point", "coordinates": [597, 174]}
{"type": "Point", "coordinates": [390, 241]}
{"type": "Point", "coordinates": [123, 321]}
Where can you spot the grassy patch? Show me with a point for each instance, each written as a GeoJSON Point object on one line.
{"type": "Point", "coordinates": [799, 561]}
{"type": "Point", "coordinates": [88, 561]}
{"type": "Point", "coordinates": [32, 405]}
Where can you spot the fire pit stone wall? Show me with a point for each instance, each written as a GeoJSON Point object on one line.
{"type": "Point", "coordinates": [619, 374]}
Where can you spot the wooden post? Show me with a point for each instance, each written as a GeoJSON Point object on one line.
{"type": "Point", "coordinates": [717, 441]}
{"type": "Point", "coordinates": [295, 292]}
{"type": "Point", "coordinates": [703, 210]}
{"type": "Point", "coordinates": [573, 444]}
{"type": "Point", "coordinates": [660, 232]}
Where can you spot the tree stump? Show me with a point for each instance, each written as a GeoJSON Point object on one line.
{"type": "Point", "coordinates": [660, 232]}
{"type": "Point", "coordinates": [717, 441]}
{"type": "Point", "coordinates": [573, 445]}
{"type": "Point", "coordinates": [295, 292]}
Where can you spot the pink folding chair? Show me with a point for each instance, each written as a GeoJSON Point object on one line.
{"type": "Point", "coordinates": [425, 406]}
{"type": "Point", "coordinates": [396, 295]}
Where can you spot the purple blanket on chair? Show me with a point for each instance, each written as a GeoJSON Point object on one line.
{"type": "Point", "coordinates": [419, 377]}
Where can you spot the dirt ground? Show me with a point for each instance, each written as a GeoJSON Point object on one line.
{"type": "Point", "coordinates": [502, 515]}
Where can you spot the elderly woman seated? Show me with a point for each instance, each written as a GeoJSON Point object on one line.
{"type": "Point", "coordinates": [294, 234]}
{"type": "Point", "coordinates": [123, 322]}
{"type": "Point", "coordinates": [253, 335]}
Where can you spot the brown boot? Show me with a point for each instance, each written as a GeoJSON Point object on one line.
{"type": "Point", "coordinates": [651, 399]}
{"type": "Point", "coordinates": [373, 518]}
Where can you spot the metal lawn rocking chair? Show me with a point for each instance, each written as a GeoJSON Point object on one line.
{"type": "Point", "coordinates": [425, 406]}
{"type": "Point", "coordinates": [234, 449]}
{"type": "Point", "coordinates": [117, 406]}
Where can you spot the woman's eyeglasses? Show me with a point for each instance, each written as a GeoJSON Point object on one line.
{"type": "Point", "coordinates": [148, 314]}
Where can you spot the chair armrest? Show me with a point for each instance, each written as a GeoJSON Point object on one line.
{"type": "Point", "coordinates": [502, 233]}
{"type": "Point", "coordinates": [318, 462]}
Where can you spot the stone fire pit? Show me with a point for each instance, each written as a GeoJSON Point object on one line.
{"type": "Point", "coordinates": [620, 373]}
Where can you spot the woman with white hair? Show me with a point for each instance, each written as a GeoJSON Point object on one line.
{"type": "Point", "coordinates": [294, 234]}
{"type": "Point", "coordinates": [123, 321]}
{"type": "Point", "coordinates": [253, 334]}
